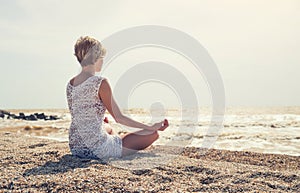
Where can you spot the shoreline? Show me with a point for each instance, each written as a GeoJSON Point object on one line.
{"type": "Point", "coordinates": [228, 110]}
{"type": "Point", "coordinates": [55, 134]}
{"type": "Point", "coordinates": [61, 135]}
{"type": "Point", "coordinates": [34, 164]}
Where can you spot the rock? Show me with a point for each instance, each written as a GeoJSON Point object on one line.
{"type": "Point", "coordinates": [53, 117]}
{"type": "Point", "coordinates": [4, 112]}
{"type": "Point", "coordinates": [13, 116]}
{"type": "Point", "coordinates": [40, 115]}
{"type": "Point", "coordinates": [21, 115]}
{"type": "Point", "coordinates": [31, 118]}
{"type": "Point", "coordinates": [46, 118]}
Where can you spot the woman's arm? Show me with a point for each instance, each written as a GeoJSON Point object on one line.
{"type": "Point", "coordinates": [105, 94]}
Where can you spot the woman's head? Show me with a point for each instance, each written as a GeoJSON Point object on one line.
{"type": "Point", "coordinates": [88, 51]}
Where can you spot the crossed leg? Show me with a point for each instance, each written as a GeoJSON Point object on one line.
{"type": "Point", "coordinates": [135, 141]}
{"type": "Point", "coordinates": [132, 142]}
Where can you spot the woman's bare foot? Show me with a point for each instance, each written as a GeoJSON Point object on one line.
{"type": "Point", "coordinates": [109, 129]}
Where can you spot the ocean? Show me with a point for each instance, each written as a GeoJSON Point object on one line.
{"type": "Point", "coordinates": [256, 129]}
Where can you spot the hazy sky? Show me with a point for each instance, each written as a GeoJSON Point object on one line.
{"type": "Point", "coordinates": [255, 45]}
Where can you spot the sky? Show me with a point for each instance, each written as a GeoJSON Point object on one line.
{"type": "Point", "coordinates": [255, 45]}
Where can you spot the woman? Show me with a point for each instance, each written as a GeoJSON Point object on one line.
{"type": "Point", "coordinates": [89, 96]}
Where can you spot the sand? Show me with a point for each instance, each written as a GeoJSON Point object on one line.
{"type": "Point", "coordinates": [30, 164]}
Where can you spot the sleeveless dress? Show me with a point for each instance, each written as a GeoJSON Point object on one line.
{"type": "Point", "coordinates": [87, 137]}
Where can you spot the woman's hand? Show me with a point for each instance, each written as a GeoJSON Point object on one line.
{"type": "Point", "coordinates": [160, 126]}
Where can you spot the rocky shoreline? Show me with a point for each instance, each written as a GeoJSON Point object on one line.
{"type": "Point", "coordinates": [32, 117]}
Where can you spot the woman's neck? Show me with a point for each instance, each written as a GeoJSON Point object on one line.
{"type": "Point", "coordinates": [88, 70]}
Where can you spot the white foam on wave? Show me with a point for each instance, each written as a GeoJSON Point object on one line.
{"type": "Point", "coordinates": [265, 133]}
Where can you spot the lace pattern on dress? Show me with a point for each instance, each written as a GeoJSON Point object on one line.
{"type": "Point", "coordinates": [87, 137]}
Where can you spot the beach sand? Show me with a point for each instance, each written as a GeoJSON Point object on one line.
{"type": "Point", "coordinates": [43, 165]}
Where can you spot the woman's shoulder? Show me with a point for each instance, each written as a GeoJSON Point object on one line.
{"type": "Point", "coordinates": [101, 79]}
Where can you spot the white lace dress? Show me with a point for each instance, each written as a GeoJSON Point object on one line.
{"type": "Point", "coordinates": [87, 137]}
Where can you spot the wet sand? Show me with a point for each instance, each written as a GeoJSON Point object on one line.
{"type": "Point", "coordinates": [42, 165]}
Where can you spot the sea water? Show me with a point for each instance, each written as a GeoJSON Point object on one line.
{"type": "Point", "coordinates": [264, 130]}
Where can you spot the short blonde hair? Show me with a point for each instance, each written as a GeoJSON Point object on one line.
{"type": "Point", "coordinates": [88, 50]}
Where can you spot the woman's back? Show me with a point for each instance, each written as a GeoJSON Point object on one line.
{"type": "Point", "coordinates": [83, 100]}
{"type": "Point", "coordinates": [87, 138]}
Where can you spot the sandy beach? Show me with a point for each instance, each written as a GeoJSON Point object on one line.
{"type": "Point", "coordinates": [31, 164]}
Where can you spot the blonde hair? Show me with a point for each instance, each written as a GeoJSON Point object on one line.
{"type": "Point", "coordinates": [88, 50]}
